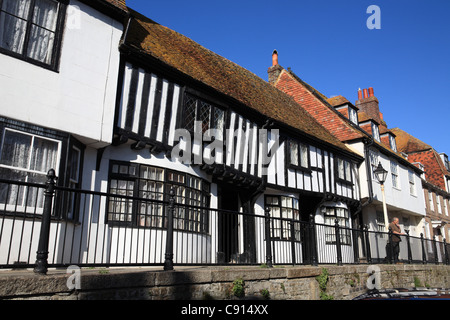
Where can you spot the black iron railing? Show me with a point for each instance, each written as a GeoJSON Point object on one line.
{"type": "Point", "coordinates": [43, 225]}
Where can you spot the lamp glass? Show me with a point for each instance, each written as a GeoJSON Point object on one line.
{"type": "Point", "coordinates": [380, 173]}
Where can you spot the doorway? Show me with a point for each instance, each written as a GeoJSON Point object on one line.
{"type": "Point", "coordinates": [228, 200]}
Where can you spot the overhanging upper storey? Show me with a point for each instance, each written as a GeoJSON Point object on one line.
{"type": "Point", "coordinates": [169, 85]}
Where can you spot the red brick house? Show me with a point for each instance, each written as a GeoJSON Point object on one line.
{"type": "Point", "coordinates": [362, 128]}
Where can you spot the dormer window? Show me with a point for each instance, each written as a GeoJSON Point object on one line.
{"type": "Point", "coordinates": [444, 158]}
{"type": "Point", "coordinates": [375, 132]}
{"type": "Point", "coordinates": [352, 115]}
{"type": "Point", "coordinates": [392, 143]}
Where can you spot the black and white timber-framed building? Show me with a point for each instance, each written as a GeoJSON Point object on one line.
{"type": "Point", "coordinates": [115, 128]}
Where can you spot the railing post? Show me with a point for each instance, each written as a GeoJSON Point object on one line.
{"type": "Point", "coordinates": [168, 262]}
{"type": "Point", "coordinates": [445, 252]}
{"type": "Point", "coordinates": [338, 242]}
{"type": "Point", "coordinates": [313, 240]}
{"type": "Point", "coordinates": [436, 258]}
{"type": "Point", "coordinates": [390, 247]}
{"type": "Point", "coordinates": [268, 238]}
{"type": "Point", "coordinates": [409, 247]}
{"type": "Point", "coordinates": [42, 251]}
{"type": "Point", "coordinates": [368, 253]}
{"type": "Point", "coordinates": [424, 255]}
{"type": "Point", "coordinates": [291, 222]}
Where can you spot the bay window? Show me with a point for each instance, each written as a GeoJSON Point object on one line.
{"type": "Point", "coordinates": [342, 216]}
{"type": "Point", "coordinates": [282, 207]}
{"type": "Point", "coordinates": [26, 157]}
{"type": "Point", "coordinates": [141, 191]}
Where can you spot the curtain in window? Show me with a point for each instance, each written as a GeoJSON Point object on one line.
{"type": "Point", "coordinates": [27, 158]}
{"type": "Point", "coordinates": [43, 29]}
{"type": "Point", "coordinates": [13, 28]}
{"type": "Point", "coordinates": [13, 24]}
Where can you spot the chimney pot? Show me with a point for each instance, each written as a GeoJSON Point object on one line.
{"type": "Point", "coordinates": [275, 58]}
{"type": "Point", "coordinates": [359, 94]}
{"type": "Point", "coordinates": [370, 92]}
{"type": "Point", "coordinates": [365, 93]}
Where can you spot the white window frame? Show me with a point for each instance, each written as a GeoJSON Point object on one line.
{"type": "Point", "coordinates": [23, 207]}
{"type": "Point", "coordinates": [412, 183]}
{"type": "Point", "coordinates": [445, 206]}
{"type": "Point", "coordinates": [374, 160]}
{"type": "Point", "coordinates": [394, 175]}
{"type": "Point", "coordinates": [375, 131]}
{"type": "Point", "coordinates": [439, 203]}
{"type": "Point", "coordinates": [352, 115]}
{"type": "Point", "coordinates": [392, 143]}
{"type": "Point", "coordinates": [430, 200]}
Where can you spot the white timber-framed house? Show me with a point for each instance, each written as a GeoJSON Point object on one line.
{"type": "Point", "coordinates": [108, 121]}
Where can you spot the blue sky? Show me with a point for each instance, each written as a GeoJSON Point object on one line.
{"type": "Point", "coordinates": [328, 45]}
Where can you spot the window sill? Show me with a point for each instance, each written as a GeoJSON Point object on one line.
{"type": "Point", "coordinates": [11, 54]}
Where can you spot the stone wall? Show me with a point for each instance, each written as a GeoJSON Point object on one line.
{"type": "Point", "coordinates": [278, 283]}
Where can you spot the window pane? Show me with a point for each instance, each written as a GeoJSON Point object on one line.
{"type": "Point", "coordinates": [294, 153]}
{"type": "Point", "coordinates": [16, 149]}
{"type": "Point", "coordinates": [40, 44]}
{"type": "Point", "coordinates": [74, 163]}
{"type": "Point", "coordinates": [18, 8]}
{"type": "Point", "coordinates": [204, 115]}
{"type": "Point", "coordinates": [44, 155]}
{"type": "Point", "coordinates": [12, 32]}
{"type": "Point", "coordinates": [11, 194]}
{"type": "Point", "coordinates": [45, 14]}
{"type": "Point", "coordinates": [341, 168]}
{"type": "Point", "coordinates": [286, 202]}
{"type": "Point", "coordinates": [304, 155]}
{"type": "Point", "coordinates": [219, 122]}
{"type": "Point", "coordinates": [347, 171]}
{"type": "Point", "coordinates": [189, 112]}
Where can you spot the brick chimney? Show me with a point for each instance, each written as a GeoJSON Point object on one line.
{"type": "Point", "coordinates": [368, 103]}
{"type": "Point", "coordinates": [275, 70]}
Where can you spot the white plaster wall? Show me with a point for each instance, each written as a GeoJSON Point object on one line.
{"type": "Point", "coordinates": [401, 197]}
{"type": "Point", "coordinates": [80, 97]}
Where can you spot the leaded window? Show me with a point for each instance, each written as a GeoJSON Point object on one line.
{"type": "Point", "coordinates": [143, 194]}
{"type": "Point", "coordinates": [284, 210]}
{"type": "Point", "coordinates": [208, 115]}
{"type": "Point", "coordinates": [341, 215]}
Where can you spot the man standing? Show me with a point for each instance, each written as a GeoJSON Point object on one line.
{"type": "Point", "coordinates": [395, 238]}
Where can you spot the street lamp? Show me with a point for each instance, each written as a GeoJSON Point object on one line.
{"type": "Point", "coordinates": [380, 174]}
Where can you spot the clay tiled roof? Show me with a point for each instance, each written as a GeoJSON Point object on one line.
{"type": "Point", "coordinates": [419, 151]}
{"type": "Point", "coordinates": [190, 58]}
{"type": "Point", "coordinates": [317, 105]}
{"type": "Point", "coordinates": [338, 101]}
{"type": "Point", "coordinates": [407, 143]}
